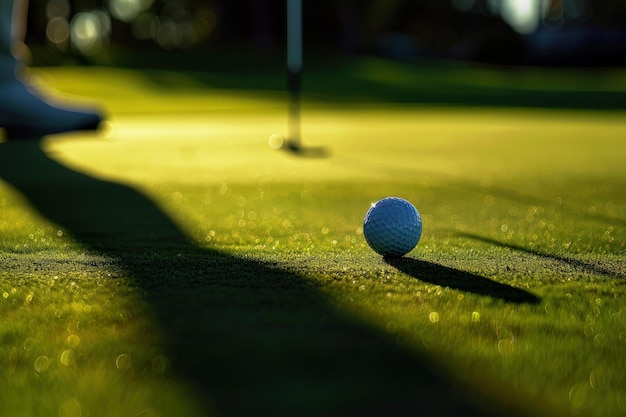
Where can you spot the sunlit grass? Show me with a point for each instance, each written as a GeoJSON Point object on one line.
{"type": "Point", "coordinates": [512, 200]}
{"type": "Point", "coordinates": [76, 334]}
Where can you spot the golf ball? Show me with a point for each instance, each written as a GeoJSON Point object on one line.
{"type": "Point", "coordinates": [392, 226]}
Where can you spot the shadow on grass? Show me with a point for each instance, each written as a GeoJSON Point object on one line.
{"type": "Point", "coordinates": [461, 280]}
{"type": "Point", "coordinates": [248, 335]}
{"type": "Point", "coordinates": [571, 262]}
{"type": "Point", "coordinates": [340, 79]}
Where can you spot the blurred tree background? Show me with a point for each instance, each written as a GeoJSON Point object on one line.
{"type": "Point", "coordinates": [517, 32]}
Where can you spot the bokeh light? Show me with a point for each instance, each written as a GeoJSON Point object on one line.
{"type": "Point", "coordinates": [181, 24]}
{"type": "Point", "coordinates": [522, 15]}
{"type": "Point", "coordinates": [276, 141]}
{"type": "Point", "coordinates": [58, 32]}
{"type": "Point", "coordinates": [170, 24]}
{"type": "Point", "coordinates": [128, 10]}
{"type": "Point", "coordinates": [58, 26]}
{"type": "Point", "coordinates": [526, 16]}
{"type": "Point", "coordinates": [145, 26]}
{"type": "Point", "coordinates": [89, 30]}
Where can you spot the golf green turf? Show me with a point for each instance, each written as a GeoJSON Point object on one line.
{"type": "Point", "coordinates": [176, 265]}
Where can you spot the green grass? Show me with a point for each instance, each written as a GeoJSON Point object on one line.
{"type": "Point", "coordinates": [178, 266]}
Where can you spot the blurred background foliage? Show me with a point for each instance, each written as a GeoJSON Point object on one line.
{"type": "Point", "coordinates": [515, 32]}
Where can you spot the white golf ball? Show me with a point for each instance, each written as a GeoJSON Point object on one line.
{"type": "Point", "coordinates": [392, 226]}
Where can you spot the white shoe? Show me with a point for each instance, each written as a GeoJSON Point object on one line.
{"type": "Point", "coordinates": [26, 115]}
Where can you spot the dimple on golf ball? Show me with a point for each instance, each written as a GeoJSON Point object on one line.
{"type": "Point", "coordinates": [392, 226]}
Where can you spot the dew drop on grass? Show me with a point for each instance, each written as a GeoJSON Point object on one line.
{"type": "Point", "coordinates": [71, 324]}
{"type": "Point", "coordinates": [503, 332]}
{"type": "Point", "coordinates": [28, 343]}
{"type": "Point", "coordinates": [177, 197]}
{"type": "Point", "coordinates": [123, 362]}
{"type": "Point", "coordinates": [581, 396]}
{"type": "Point", "coordinates": [72, 341]}
{"type": "Point", "coordinates": [598, 378]}
{"type": "Point", "coordinates": [222, 188]}
{"type": "Point", "coordinates": [70, 408]}
{"type": "Point", "coordinates": [67, 357]}
{"type": "Point", "coordinates": [506, 346]}
{"type": "Point", "coordinates": [42, 363]}
{"type": "Point", "coordinates": [433, 317]}
{"type": "Point", "coordinates": [600, 340]}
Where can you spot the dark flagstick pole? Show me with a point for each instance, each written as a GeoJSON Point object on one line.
{"type": "Point", "coordinates": [294, 84]}
{"type": "Point", "coordinates": [294, 70]}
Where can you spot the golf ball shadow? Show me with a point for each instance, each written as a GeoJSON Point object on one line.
{"type": "Point", "coordinates": [392, 227]}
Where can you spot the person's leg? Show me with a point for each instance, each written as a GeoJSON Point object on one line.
{"type": "Point", "coordinates": [9, 36]}
{"type": "Point", "coordinates": [24, 114]}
